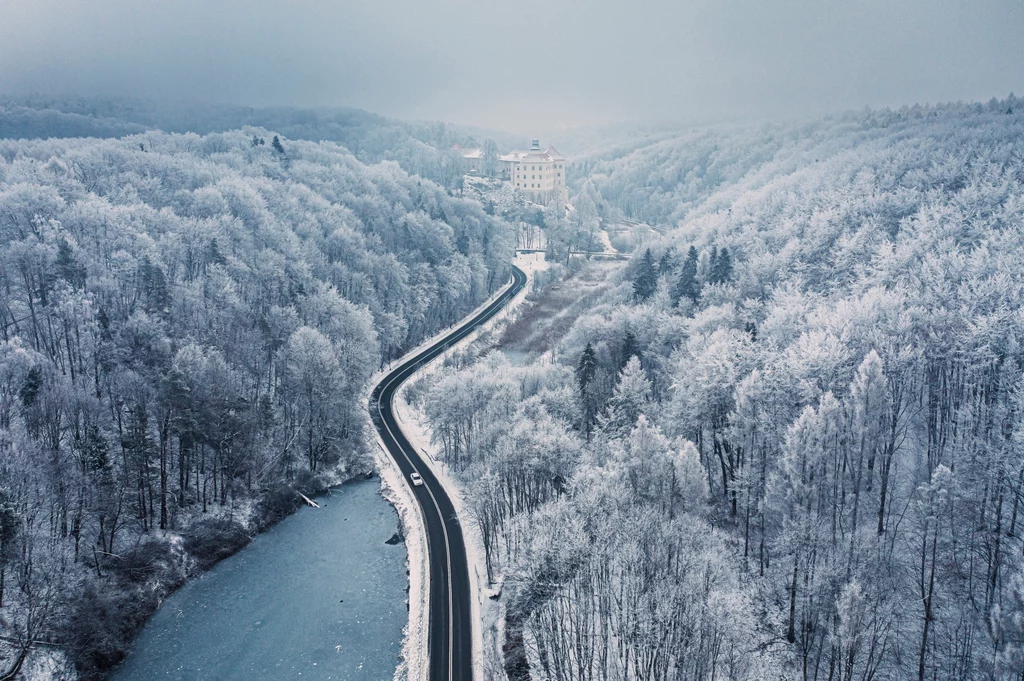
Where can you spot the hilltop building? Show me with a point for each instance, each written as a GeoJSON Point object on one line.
{"type": "Point", "coordinates": [472, 159]}
{"type": "Point", "coordinates": [538, 174]}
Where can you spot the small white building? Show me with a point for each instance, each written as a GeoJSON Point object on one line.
{"type": "Point", "coordinates": [538, 174]}
{"type": "Point", "coordinates": [472, 159]}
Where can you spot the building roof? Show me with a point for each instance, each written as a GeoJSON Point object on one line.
{"type": "Point", "coordinates": [534, 155]}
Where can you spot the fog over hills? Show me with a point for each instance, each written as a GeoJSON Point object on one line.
{"type": "Point", "coordinates": [525, 65]}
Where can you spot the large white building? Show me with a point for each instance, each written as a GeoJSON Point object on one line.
{"type": "Point", "coordinates": [538, 174]}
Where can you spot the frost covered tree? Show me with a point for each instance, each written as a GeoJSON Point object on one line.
{"type": "Point", "coordinates": [630, 400]}
{"type": "Point", "coordinates": [645, 281]}
{"type": "Point", "coordinates": [686, 286]}
{"type": "Point", "coordinates": [586, 371]}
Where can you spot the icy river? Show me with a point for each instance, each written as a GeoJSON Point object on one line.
{"type": "Point", "coordinates": [319, 596]}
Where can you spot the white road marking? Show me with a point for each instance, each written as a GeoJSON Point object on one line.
{"type": "Point", "coordinates": [391, 378]}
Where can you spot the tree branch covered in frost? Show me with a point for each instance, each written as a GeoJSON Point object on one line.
{"type": "Point", "coordinates": [186, 327]}
{"type": "Point", "coordinates": [831, 379]}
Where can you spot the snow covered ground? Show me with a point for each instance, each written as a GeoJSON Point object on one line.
{"type": "Point", "coordinates": [606, 242]}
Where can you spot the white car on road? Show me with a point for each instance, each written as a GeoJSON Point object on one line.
{"type": "Point", "coordinates": [416, 479]}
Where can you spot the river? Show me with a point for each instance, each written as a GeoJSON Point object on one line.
{"type": "Point", "coordinates": [319, 596]}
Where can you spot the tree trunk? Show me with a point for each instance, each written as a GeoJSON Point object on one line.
{"type": "Point", "coordinates": [791, 629]}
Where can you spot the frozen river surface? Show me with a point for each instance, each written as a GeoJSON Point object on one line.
{"type": "Point", "coordinates": [318, 596]}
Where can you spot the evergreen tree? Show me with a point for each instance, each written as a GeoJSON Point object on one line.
{"type": "Point", "coordinates": [631, 398]}
{"type": "Point", "coordinates": [9, 526]}
{"type": "Point", "coordinates": [721, 267]}
{"type": "Point", "coordinates": [630, 348]}
{"type": "Point", "coordinates": [276, 143]}
{"type": "Point", "coordinates": [155, 296]}
{"type": "Point", "coordinates": [213, 254]}
{"type": "Point", "coordinates": [586, 369]}
{"type": "Point", "coordinates": [67, 265]}
{"type": "Point", "coordinates": [687, 285]}
{"type": "Point", "coordinates": [30, 388]}
{"type": "Point", "coordinates": [94, 449]}
{"type": "Point", "coordinates": [137, 446]}
{"type": "Point", "coordinates": [667, 263]}
{"type": "Point", "coordinates": [646, 281]}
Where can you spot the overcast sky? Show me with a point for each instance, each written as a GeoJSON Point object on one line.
{"type": "Point", "coordinates": [522, 64]}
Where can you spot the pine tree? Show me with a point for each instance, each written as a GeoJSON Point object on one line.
{"type": "Point", "coordinates": [67, 265]}
{"type": "Point", "coordinates": [10, 524]}
{"type": "Point", "coordinates": [630, 348]}
{"type": "Point", "coordinates": [30, 388]}
{"type": "Point", "coordinates": [94, 449]}
{"type": "Point", "coordinates": [213, 254]}
{"type": "Point", "coordinates": [586, 369]}
{"type": "Point", "coordinates": [687, 286]}
{"type": "Point", "coordinates": [646, 281]}
{"type": "Point", "coordinates": [137, 445]}
{"type": "Point", "coordinates": [667, 263]}
{"type": "Point", "coordinates": [276, 143]}
{"type": "Point", "coordinates": [631, 398]}
{"type": "Point", "coordinates": [156, 298]}
{"type": "Point", "coordinates": [721, 267]}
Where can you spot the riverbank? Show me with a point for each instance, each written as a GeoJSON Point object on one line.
{"type": "Point", "coordinates": [321, 595]}
{"type": "Point", "coordinates": [114, 600]}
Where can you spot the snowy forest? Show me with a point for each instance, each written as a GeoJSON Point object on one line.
{"type": "Point", "coordinates": [784, 440]}
{"type": "Point", "coordinates": [780, 438]}
{"type": "Point", "coordinates": [188, 326]}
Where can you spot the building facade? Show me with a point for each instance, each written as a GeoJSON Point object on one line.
{"type": "Point", "coordinates": [472, 160]}
{"type": "Point", "coordinates": [538, 174]}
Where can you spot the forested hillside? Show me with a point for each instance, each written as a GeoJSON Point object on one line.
{"type": "Point", "coordinates": [423, 149]}
{"type": "Point", "coordinates": [788, 443]}
{"type": "Point", "coordinates": [663, 181]}
{"type": "Point", "coordinates": [188, 324]}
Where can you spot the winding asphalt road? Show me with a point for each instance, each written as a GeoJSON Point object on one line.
{"type": "Point", "coordinates": [450, 639]}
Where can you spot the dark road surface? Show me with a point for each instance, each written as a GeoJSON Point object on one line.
{"type": "Point", "coordinates": [450, 639]}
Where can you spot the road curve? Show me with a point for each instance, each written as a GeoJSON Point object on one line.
{"type": "Point", "coordinates": [449, 612]}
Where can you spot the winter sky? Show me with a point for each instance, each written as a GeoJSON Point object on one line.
{"type": "Point", "coordinates": [517, 64]}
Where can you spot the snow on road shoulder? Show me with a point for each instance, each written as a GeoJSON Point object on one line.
{"type": "Point", "coordinates": [394, 489]}
{"type": "Point", "coordinates": [485, 612]}
{"type": "Point", "coordinates": [414, 424]}
{"type": "Point", "coordinates": [414, 665]}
